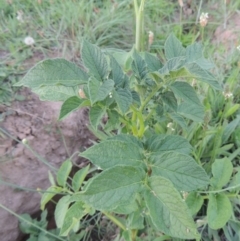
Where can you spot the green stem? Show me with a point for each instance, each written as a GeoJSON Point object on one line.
{"type": "Point", "coordinates": [139, 12]}
{"type": "Point", "coordinates": [115, 220]}
{"type": "Point", "coordinates": [134, 234]}
{"type": "Point", "coordinates": [222, 190]}
{"type": "Point", "coordinates": [149, 97]}
{"type": "Point", "coordinates": [230, 195]}
{"type": "Point", "coordinates": [31, 223]}
{"type": "Point", "coordinates": [141, 129]}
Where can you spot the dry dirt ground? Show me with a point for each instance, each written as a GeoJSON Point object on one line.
{"type": "Point", "coordinates": [37, 122]}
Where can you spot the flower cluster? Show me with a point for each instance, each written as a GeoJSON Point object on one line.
{"type": "Point", "coordinates": [203, 19]}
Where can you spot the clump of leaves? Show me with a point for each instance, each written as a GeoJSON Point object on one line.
{"type": "Point", "coordinates": [147, 174]}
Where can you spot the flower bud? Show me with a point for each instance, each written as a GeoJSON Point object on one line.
{"type": "Point", "coordinates": [203, 19]}
{"type": "Point", "coordinates": [24, 141]}
{"type": "Point", "coordinates": [81, 94]}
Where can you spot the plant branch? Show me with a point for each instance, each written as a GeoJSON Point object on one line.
{"type": "Point", "coordinates": [115, 220]}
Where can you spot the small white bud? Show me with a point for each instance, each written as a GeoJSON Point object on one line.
{"type": "Point", "coordinates": [203, 19]}
{"type": "Point", "coordinates": [20, 16]}
{"type": "Point", "coordinates": [150, 38]}
{"type": "Point", "coordinates": [24, 141]}
{"type": "Point", "coordinates": [170, 126]}
{"type": "Point", "coordinates": [29, 41]}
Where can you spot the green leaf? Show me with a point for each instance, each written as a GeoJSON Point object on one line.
{"type": "Point", "coordinates": [61, 210]}
{"type": "Point", "coordinates": [105, 89]}
{"type": "Point", "coordinates": [127, 207]}
{"type": "Point", "coordinates": [152, 61]}
{"type": "Point", "coordinates": [115, 152]}
{"type": "Point", "coordinates": [98, 91]}
{"type": "Point", "coordinates": [194, 52]}
{"type": "Point", "coordinates": [71, 104]}
{"type": "Point", "coordinates": [178, 119]}
{"type": "Point", "coordinates": [176, 63]}
{"type": "Point", "coordinates": [235, 180]}
{"type": "Point", "coordinates": [123, 98]}
{"type": "Point", "coordinates": [139, 66]}
{"type": "Point", "coordinates": [168, 211]}
{"type": "Point", "coordinates": [113, 120]}
{"type": "Point", "coordinates": [194, 202]}
{"type": "Point", "coordinates": [93, 88]}
{"type": "Point", "coordinates": [219, 211]}
{"type": "Point", "coordinates": [229, 129]}
{"type": "Point", "coordinates": [72, 217]}
{"type": "Point", "coordinates": [182, 170]}
{"type": "Point", "coordinates": [127, 139]}
{"type": "Point", "coordinates": [51, 178]}
{"type": "Point", "coordinates": [173, 47]}
{"type": "Point", "coordinates": [162, 143]}
{"type": "Point", "coordinates": [203, 75]}
{"type": "Point", "coordinates": [204, 63]}
{"type": "Point", "coordinates": [135, 97]}
{"type": "Point", "coordinates": [79, 177]}
{"type": "Point", "coordinates": [52, 72]}
{"type": "Point", "coordinates": [63, 173]}
{"type": "Point", "coordinates": [222, 171]}
{"type": "Point", "coordinates": [191, 111]}
{"type": "Point", "coordinates": [186, 92]}
{"type": "Point", "coordinates": [55, 93]}
{"type": "Point", "coordinates": [94, 60]}
{"type": "Point", "coordinates": [169, 99]}
{"type": "Point", "coordinates": [136, 220]}
{"type": "Point", "coordinates": [117, 73]}
{"type": "Point", "coordinates": [49, 194]}
{"type": "Point", "coordinates": [96, 114]}
{"type": "Point", "coordinates": [113, 186]}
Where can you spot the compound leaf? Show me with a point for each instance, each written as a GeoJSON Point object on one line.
{"type": "Point", "coordinates": [113, 186]}
{"type": "Point", "coordinates": [203, 75]}
{"type": "Point", "coordinates": [194, 52]}
{"type": "Point", "coordinates": [117, 73]}
{"type": "Point", "coordinates": [96, 114]}
{"type": "Point", "coordinates": [70, 105]}
{"type": "Point", "coordinates": [152, 61]}
{"type": "Point", "coordinates": [53, 72]}
{"type": "Point", "coordinates": [173, 47]}
{"type": "Point", "coordinates": [115, 152]}
{"type": "Point", "coordinates": [168, 211]}
{"type": "Point", "coordinates": [182, 170]}
{"type": "Point", "coordinates": [139, 66]}
{"type": "Point", "coordinates": [191, 111]}
{"type": "Point", "coordinates": [123, 97]}
{"type": "Point", "coordinates": [169, 99]}
{"type": "Point", "coordinates": [186, 92]}
{"type": "Point", "coordinates": [158, 144]}
{"type": "Point", "coordinates": [94, 60]}
{"type": "Point", "coordinates": [55, 93]}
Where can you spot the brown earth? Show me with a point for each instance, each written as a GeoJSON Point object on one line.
{"type": "Point", "coordinates": [37, 122]}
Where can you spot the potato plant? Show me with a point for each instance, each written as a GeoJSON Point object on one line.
{"type": "Point", "coordinates": [148, 172]}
